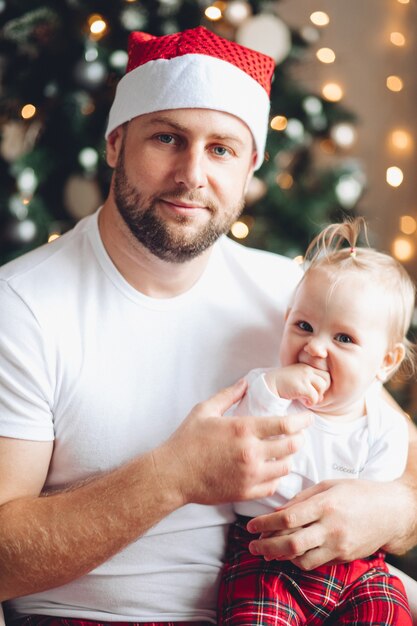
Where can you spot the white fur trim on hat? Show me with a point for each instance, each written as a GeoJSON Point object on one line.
{"type": "Point", "coordinates": [193, 81]}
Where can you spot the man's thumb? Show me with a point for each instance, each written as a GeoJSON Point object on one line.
{"type": "Point", "coordinates": [226, 397]}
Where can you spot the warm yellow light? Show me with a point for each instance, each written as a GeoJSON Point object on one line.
{"type": "Point", "coordinates": [285, 180]}
{"type": "Point", "coordinates": [394, 176]}
{"type": "Point", "coordinates": [97, 26]}
{"type": "Point", "coordinates": [394, 83]}
{"type": "Point", "coordinates": [240, 230]}
{"type": "Point", "coordinates": [408, 224]}
{"type": "Point", "coordinates": [326, 55]}
{"type": "Point", "coordinates": [213, 13]}
{"type": "Point", "coordinates": [53, 236]}
{"type": "Point", "coordinates": [397, 39]}
{"type": "Point", "coordinates": [402, 249]}
{"type": "Point", "coordinates": [332, 92]}
{"type": "Point", "coordinates": [401, 140]}
{"type": "Point", "coordinates": [279, 122]}
{"type": "Point", "coordinates": [299, 259]}
{"type": "Point", "coordinates": [319, 18]}
{"type": "Point", "coordinates": [404, 1]}
{"type": "Point", "coordinates": [28, 111]}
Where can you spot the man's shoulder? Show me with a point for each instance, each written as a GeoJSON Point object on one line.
{"type": "Point", "coordinates": [260, 264]}
{"type": "Point", "coordinates": [47, 258]}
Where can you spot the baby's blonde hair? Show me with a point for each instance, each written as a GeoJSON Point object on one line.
{"type": "Point", "coordinates": [336, 249]}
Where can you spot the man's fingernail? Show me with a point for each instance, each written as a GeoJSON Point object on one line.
{"type": "Point", "coordinates": [253, 548]}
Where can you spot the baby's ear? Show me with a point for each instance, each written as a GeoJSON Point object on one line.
{"type": "Point", "coordinates": [392, 361]}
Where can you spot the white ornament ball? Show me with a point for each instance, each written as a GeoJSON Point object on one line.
{"type": "Point", "coordinates": [266, 33]}
{"type": "Point", "coordinates": [118, 59]}
{"type": "Point", "coordinates": [81, 196]}
{"type": "Point", "coordinates": [349, 189]}
{"type": "Point", "coordinates": [237, 11]}
{"type": "Point", "coordinates": [343, 134]}
{"type": "Point", "coordinates": [88, 158]}
{"type": "Point", "coordinates": [27, 181]}
{"type": "Point", "coordinates": [90, 75]}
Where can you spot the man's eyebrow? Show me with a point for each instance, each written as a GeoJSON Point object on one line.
{"type": "Point", "coordinates": [154, 121]}
{"type": "Point", "coordinates": [221, 137]}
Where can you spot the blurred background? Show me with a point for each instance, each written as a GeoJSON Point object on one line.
{"type": "Point", "coordinates": [343, 128]}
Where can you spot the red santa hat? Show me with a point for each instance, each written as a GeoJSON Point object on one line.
{"type": "Point", "coordinates": [195, 69]}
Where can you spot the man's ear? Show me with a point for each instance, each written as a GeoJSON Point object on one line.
{"type": "Point", "coordinates": [113, 145]}
{"type": "Point", "coordinates": [250, 173]}
{"type": "Point", "coordinates": [392, 360]}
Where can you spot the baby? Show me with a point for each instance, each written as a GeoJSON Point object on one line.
{"type": "Point", "coordinates": [344, 336]}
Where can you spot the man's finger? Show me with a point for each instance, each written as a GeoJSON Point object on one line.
{"type": "Point", "coordinates": [289, 546]}
{"type": "Point", "coordinates": [283, 447]}
{"type": "Point", "coordinates": [293, 515]}
{"type": "Point", "coordinates": [225, 398]}
{"type": "Point", "coordinates": [266, 427]}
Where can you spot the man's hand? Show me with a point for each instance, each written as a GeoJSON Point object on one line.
{"type": "Point", "coordinates": [299, 382]}
{"type": "Point", "coordinates": [214, 458]}
{"type": "Point", "coordinates": [336, 521]}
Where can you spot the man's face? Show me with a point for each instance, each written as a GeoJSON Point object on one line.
{"type": "Point", "coordinates": [180, 178]}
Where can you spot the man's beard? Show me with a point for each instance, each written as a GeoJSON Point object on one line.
{"type": "Point", "coordinates": [166, 243]}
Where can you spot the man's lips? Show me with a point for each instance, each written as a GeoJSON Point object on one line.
{"type": "Point", "coordinates": [184, 207]}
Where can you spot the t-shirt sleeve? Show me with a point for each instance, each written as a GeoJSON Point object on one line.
{"type": "Point", "coordinates": [388, 452]}
{"type": "Point", "coordinates": [259, 399]}
{"type": "Point", "coordinates": [26, 390]}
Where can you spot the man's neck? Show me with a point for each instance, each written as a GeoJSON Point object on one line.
{"type": "Point", "coordinates": [142, 269]}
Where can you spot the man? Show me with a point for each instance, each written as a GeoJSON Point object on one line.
{"type": "Point", "coordinates": [114, 489]}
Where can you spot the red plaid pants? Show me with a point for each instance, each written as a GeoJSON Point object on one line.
{"type": "Point", "coordinates": [258, 592]}
{"type": "Point", "coordinates": [47, 620]}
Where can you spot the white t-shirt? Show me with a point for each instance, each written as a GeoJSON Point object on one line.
{"type": "Point", "coordinates": [110, 373]}
{"type": "Point", "coordinates": [373, 447]}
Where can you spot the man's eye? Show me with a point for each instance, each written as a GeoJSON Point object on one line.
{"type": "Point", "coordinates": [221, 151]}
{"type": "Point", "coordinates": [342, 338]}
{"type": "Point", "coordinates": [305, 326]}
{"type": "Point", "coordinates": [165, 138]}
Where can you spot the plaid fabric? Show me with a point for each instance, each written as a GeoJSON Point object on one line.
{"type": "Point", "coordinates": [47, 620]}
{"type": "Point", "coordinates": [256, 592]}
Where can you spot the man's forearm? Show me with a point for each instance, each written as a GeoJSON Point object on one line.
{"type": "Point", "coordinates": [406, 503]}
{"type": "Point", "coordinates": [50, 540]}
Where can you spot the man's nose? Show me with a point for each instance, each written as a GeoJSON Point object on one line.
{"type": "Point", "coordinates": [191, 168]}
{"type": "Point", "coordinates": [316, 347]}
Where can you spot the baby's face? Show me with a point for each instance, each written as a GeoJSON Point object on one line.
{"type": "Point", "coordinates": [342, 328]}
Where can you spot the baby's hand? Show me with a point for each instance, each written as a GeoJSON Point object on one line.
{"type": "Point", "coordinates": [299, 382]}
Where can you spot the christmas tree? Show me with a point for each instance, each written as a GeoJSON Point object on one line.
{"type": "Point", "coordinates": [60, 63]}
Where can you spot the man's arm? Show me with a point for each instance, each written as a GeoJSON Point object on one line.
{"type": "Point", "coordinates": [406, 527]}
{"type": "Point", "coordinates": [343, 520]}
{"type": "Point", "coordinates": [49, 540]}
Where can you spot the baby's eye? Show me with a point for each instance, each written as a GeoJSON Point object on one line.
{"type": "Point", "coordinates": [342, 338]}
{"type": "Point", "coordinates": [305, 326]}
